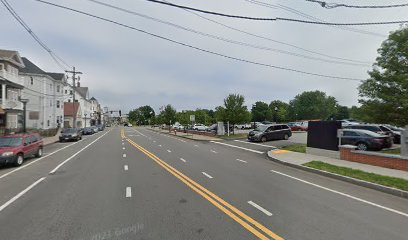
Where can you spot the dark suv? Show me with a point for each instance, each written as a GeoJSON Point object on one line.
{"type": "Point", "coordinates": [265, 133]}
{"type": "Point", "coordinates": [15, 148]}
{"type": "Point", "coordinates": [365, 140]}
{"type": "Point", "coordinates": [70, 134]}
{"type": "Point", "coordinates": [380, 129]}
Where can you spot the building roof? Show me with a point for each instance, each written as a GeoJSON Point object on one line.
{"type": "Point", "coordinates": [83, 91]}
{"type": "Point", "coordinates": [12, 57]}
{"type": "Point", "coordinates": [71, 108]}
{"type": "Point", "coordinates": [30, 67]}
{"type": "Point", "coordinates": [93, 99]}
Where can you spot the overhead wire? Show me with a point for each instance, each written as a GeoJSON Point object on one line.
{"type": "Point", "coordinates": [299, 13]}
{"type": "Point", "coordinates": [270, 39]}
{"type": "Point", "coordinates": [58, 60]}
{"type": "Point", "coordinates": [194, 47]}
{"type": "Point", "coordinates": [275, 19]}
{"type": "Point", "coordinates": [357, 63]}
{"type": "Point", "coordinates": [336, 5]}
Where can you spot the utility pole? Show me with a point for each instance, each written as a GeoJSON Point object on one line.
{"type": "Point", "coordinates": [73, 72]}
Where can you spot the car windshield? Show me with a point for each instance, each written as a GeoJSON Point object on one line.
{"type": "Point", "coordinates": [10, 141]}
{"type": "Point", "coordinates": [261, 128]}
{"type": "Point", "coordinates": [70, 130]}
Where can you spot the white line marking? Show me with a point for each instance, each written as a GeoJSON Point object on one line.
{"type": "Point", "coordinates": [258, 144]}
{"type": "Point", "coordinates": [26, 165]}
{"type": "Point", "coordinates": [160, 145]}
{"type": "Point", "coordinates": [68, 159]}
{"type": "Point", "coordinates": [2, 207]}
{"type": "Point", "coordinates": [128, 192]}
{"type": "Point", "coordinates": [124, 155]}
{"type": "Point", "coordinates": [213, 151]}
{"type": "Point", "coordinates": [207, 175]}
{"type": "Point", "coordinates": [241, 160]}
{"type": "Point", "coordinates": [123, 143]}
{"type": "Point", "coordinates": [168, 151]}
{"type": "Point", "coordinates": [260, 208]}
{"type": "Point", "coordinates": [247, 149]}
{"type": "Point", "coordinates": [140, 133]}
{"type": "Point", "coordinates": [195, 145]}
{"type": "Point", "coordinates": [126, 167]}
{"type": "Point", "coordinates": [154, 141]}
{"type": "Point", "coordinates": [182, 159]}
{"type": "Point", "coordinates": [123, 148]}
{"type": "Point", "coordinates": [344, 194]}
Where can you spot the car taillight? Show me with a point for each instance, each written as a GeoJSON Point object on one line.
{"type": "Point", "coordinates": [378, 140]}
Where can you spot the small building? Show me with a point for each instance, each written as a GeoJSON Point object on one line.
{"type": "Point", "coordinates": [72, 109]}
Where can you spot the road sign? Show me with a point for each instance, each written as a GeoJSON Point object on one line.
{"type": "Point", "coordinates": [192, 118]}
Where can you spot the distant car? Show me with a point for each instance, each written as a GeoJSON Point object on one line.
{"type": "Point", "coordinates": [365, 139]}
{"type": "Point", "coordinates": [294, 126]}
{"type": "Point", "coordinates": [243, 126]}
{"type": "Point", "coordinates": [267, 122]}
{"type": "Point", "coordinates": [70, 134]}
{"type": "Point", "coordinates": [265, 133]}
{"type": "Point", "coordinates": [130, 125]}
{"type": "Point", "coordinates": [380, 129]}
{"type": "Point", "coordinates": [199, 127]}
{"type": "Point", "coordinates": [15, 148]}
{"type": "Point", "coordinates": [348, 122]}
{"type": "Point", "coordinates": [88, 131]}
{"type": "Point", "coordinates": [100, 127]}
{"type": "Point", "coordinates": [214, 128]}
{"type": "Point", "coordinates": [396, 131]}
{"type": "Point", "coordinates": [95, 129]}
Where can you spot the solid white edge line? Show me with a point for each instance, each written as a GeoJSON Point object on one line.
{"type": "Point", "coordinates": [241, 160]}
{"type": "Point", "coordinates": [2, 207]}
{"type": "Point", "coordinates": [207, 175]}
{"type": "Point", "coordinates": [247, 149]}
{"type": "Point", "coordinates": [128, 192]}
{"type": "Point", "coordinates": [258, 144]}
{"type": "Point", "coordinates": [124, 155]}
{"type": "Point", "coordinates": [196, 145]}
{"type": "Point", "coordinates": [123, 143]}
{"type": "Point", "coordinates": [168, 150]}
{"type": "Point", "coordinates": [68, 159]}
{"type": "Point", "coordinates": [123, 148]}
{"type": "Point", "coordinates": [28, 164]}
{"type": "Point", "coordinates": [213, 151]}
{"type": "Point", "coordinates": [260, 208]}
{"type": "Point", "coordinates": [126, 167]}
{"type": "Point", "coordinates": [160, 145]}
{"type": "Point", "coordinates": [182, 159]}
{"type": "Point", "coordinates": [344, 194]}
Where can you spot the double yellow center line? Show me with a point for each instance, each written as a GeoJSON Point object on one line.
{"type": "Point", "coordinates": [260, 231]}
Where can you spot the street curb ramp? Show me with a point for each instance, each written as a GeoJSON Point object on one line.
{"type": "Point", "coordinates": [378, 187]}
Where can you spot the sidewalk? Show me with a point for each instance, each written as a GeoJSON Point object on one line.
{"type": "Point", "coordinates": [186, 135]}
{"type": "Point", "coordinates": [53, 139]}
{"type": "Point", "coordinates": [296, 158]}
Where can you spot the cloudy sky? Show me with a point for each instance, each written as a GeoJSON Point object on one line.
{"type": "Point", "coordinates": [125, 69]}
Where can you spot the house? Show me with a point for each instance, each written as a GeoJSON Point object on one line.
{"type": "Point", "coordinates": [82, 97]}
{"type": "Point", "coordinates": [96, 115]}
{"type": "Point", "coordinates": [44, 91]}
{"type": "Point", "coordinates": [11, 110]}
{"type": "Point", "coordinates": [72, 109]}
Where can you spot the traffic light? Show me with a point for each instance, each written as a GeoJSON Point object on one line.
{"type": "Point", "coordinates": [111, 112]}
{"type": "Point", "coordinates": [120, 113]}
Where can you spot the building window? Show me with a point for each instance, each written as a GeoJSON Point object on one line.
{"type": "Point", "coordinates": [58, 104]}
{"type": "Point", "coordinates": [31, 80]}
{"type": "Point", "coordinates": [50, 103]}
{"type": "Point", "coordinates": [69, 100]}
{"type": "Point", "coordinates": [50, 86]}
{"type": "Point", "coordinates": [70, 92]}
{"type": "Point", "coordinates": [58, 88]}
{"type": "Point", "coordinates": [48, 123]}
{"type": "Point", "coordinates": [66, 91]}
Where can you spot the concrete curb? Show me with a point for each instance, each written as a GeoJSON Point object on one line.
{"type": "Point", "coordinates": [201, 140]}
{"type": "Point", "coordinates": [378, 187]}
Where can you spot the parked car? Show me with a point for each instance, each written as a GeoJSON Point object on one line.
{"type": "Point", "coordinates": [95, 129]}
{"type": "Point", "coordinates": [199, 127]}
{"type": "Point", "coordinates": [348, 122]}
{"type": "Point", "coordinates": [15, 148]}
{"type": "Point", "coordinates": [396, 131]}
{"type": "Point", "coordinates": [267, 122]}
{"type": "Point", "coordinates": [265, 133]}
{"type": "Point", "coordinates": [294, 126]}
{"type": "Point", "coordinates": [243, 126]}
{"type": "Point", "coordinates": [365, 139]}
{"type": "Point", "coordinates": [380, 129]}
{"type": "Point", "coordinates": [70, 134]}
{"type": "Point", "coordinates": [256, 124]}
{"type": "Point", "coordinates": [100, 127]}
{"type": "Point", "coordinates": [88, 131]}
{"type": "Point", "coordinates": [214, 128]}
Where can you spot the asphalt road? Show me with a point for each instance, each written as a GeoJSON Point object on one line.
{"type": "Point", "coordinates": [138, 184]}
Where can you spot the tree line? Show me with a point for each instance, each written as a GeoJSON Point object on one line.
{"type": "Point", "coordinates": [383, 98]}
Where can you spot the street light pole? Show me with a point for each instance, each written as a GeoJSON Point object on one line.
{"type": "Point", "coordinates": [24, 101]}
{"type": "Point", "coordinates": [276, 114]}
{"type": "Point", "coordinates": [253, 118]}
{"type": "Point", "coordinates": [85, 118]}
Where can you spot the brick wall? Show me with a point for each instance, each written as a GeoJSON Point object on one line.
{"type": "Point", "coordinates": [374, 158]}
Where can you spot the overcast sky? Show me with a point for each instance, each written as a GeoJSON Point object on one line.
{"type": "Point", "coordinates": [125, 69]}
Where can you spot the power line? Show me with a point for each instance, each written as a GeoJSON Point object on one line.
{"type": "Point", "coordinates": [277, 18]}
{"type": "Point", "coordinates": [197, 48]}
{"type": "Point", "coordinates": [357, 63]}
{"type": "Point", "coordinates": [336, 5]}
{"type": "Point", "coordinates": [270, 39]}
{"type": "Point", "coordinates": [299, 13]}
{"type": "Point", "coordinates": [58, 60]}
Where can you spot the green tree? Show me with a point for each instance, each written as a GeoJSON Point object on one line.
{"type": "Point", "coordinates": [281, 115]}
{"type": "Point", "coordinates": [312, 105]}
{"type": "Point", "coordinates": [168, 115]}
{"type": "Point", "coordinates": [384, 96]}
{"type": "Point", "coordinates": [142, 115]}
{"type": "Point", "coordinates": [220, 114]}
{"type": "Point", "coordinates": [342, 112]}
{"type": "Point", "coordinates": [235, 110]}
{"type": "Point", "coordinates": [134, 116]}
{"type": "Point", "coordinates": [261, 112]}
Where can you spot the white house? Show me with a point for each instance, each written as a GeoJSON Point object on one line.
{"type": "Point", "coordinates": [82, 97]}
{"type": "Point", "coordinates": [96, 115]}
{"type": "Point", "coordinates": [11, 110]}
{"type": "Point", "coordinates": [45, 94]}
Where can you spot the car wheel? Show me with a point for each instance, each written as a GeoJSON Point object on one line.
{"type": "Point", "coordinates": [263, 139]}
{"type": "Point", "coordinates": [39, 153]}
{"type": "Point", "coordinates": [362, 146]}
{"type": "Point", "coordinates": [286, 137]}
{"type": "Point", "coordinates": [19, 160]}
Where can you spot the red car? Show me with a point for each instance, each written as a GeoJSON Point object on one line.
{"type": "Point", "coordinates": [15, 148]}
